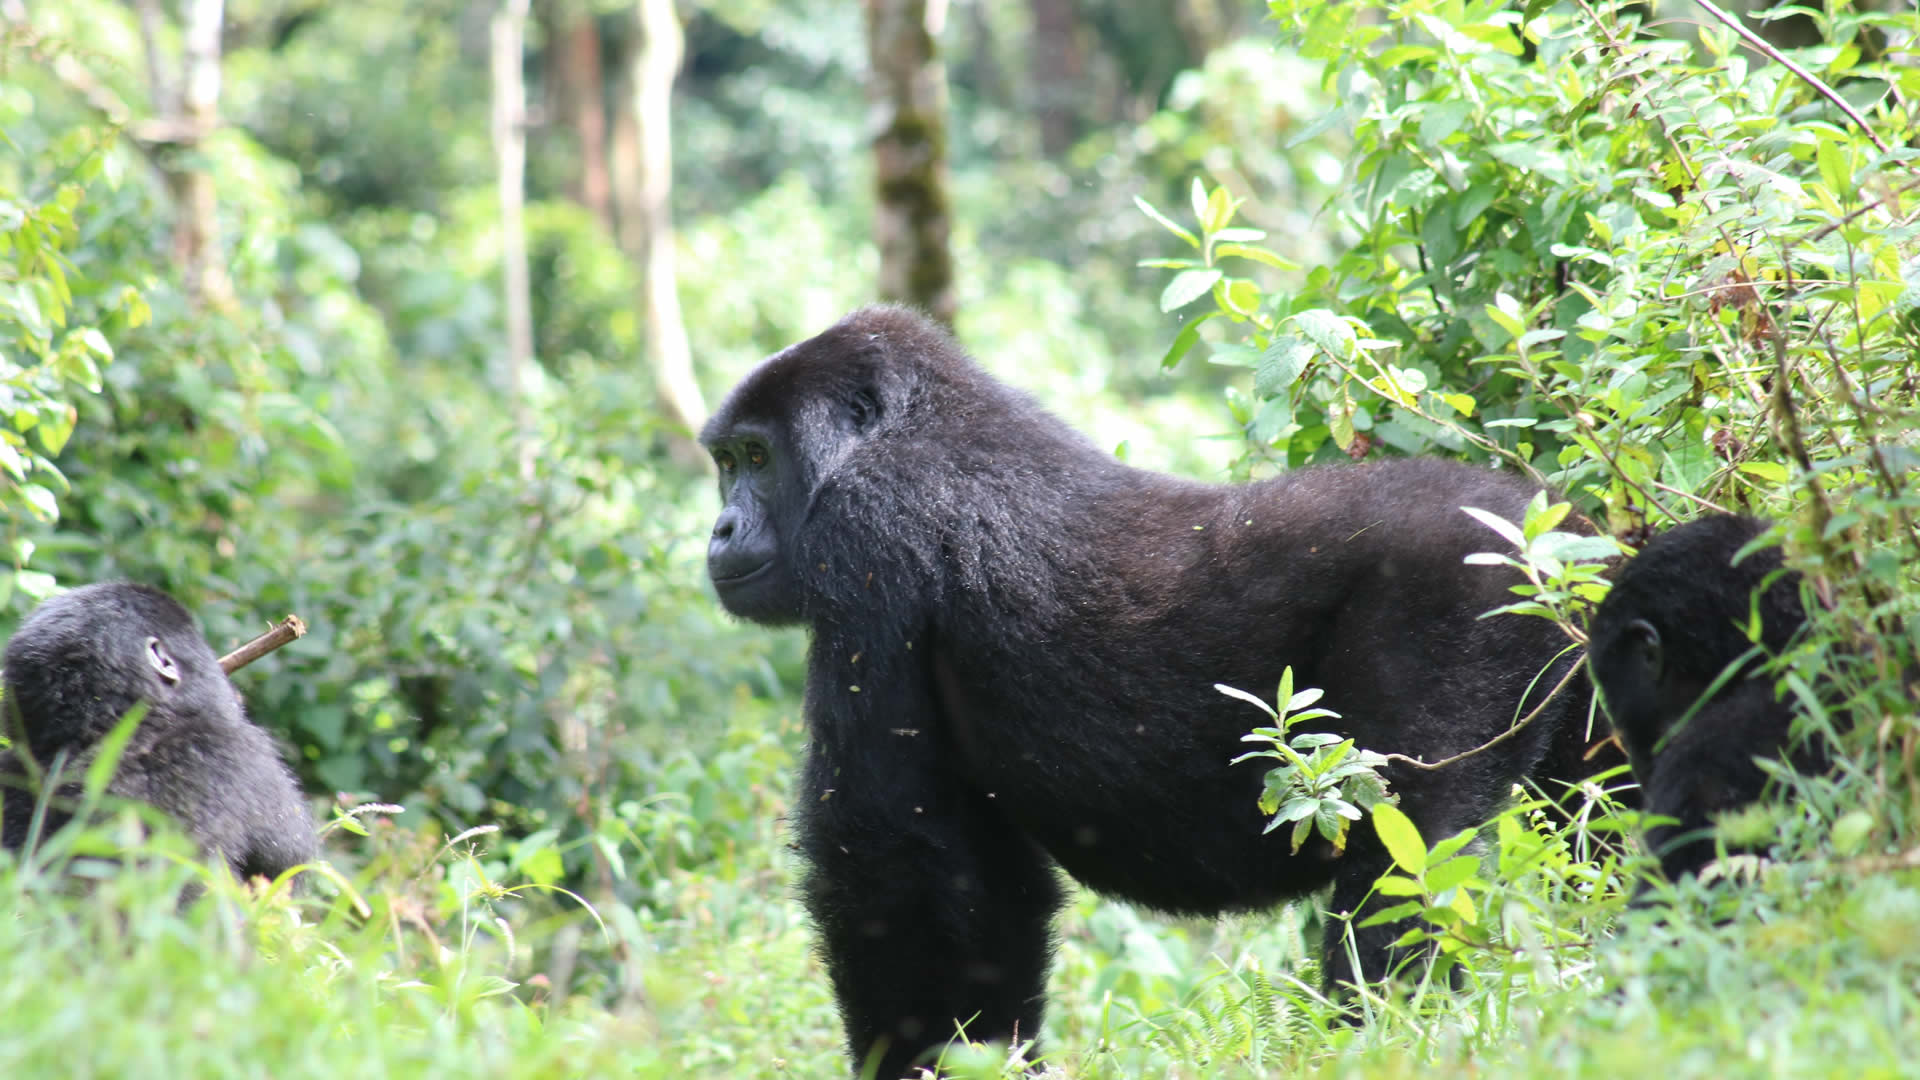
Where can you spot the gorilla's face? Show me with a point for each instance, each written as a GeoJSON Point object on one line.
{"type": "Point", "coordinates": [747, 556]}
{"type": "Point", "coordinates": [779, 437]}
{"type": "Point", "coordinates": [1629, 668]}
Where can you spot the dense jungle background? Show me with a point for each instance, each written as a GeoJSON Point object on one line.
{"type": "Point", "coordinates": [399, 315]}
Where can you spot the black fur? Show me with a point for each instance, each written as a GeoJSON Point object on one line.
{"type": "Point", "coordinates": [1676, 618]}
{"type": "Point", "coordinates": [1015, 640]}
{"type": "Point", "coordinates": [80, 662]}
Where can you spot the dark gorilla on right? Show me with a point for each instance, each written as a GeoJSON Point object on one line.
{"type": "Point", "coordinates": [78, 664]}
{"type": "Point", "coordinates": [1674, 622]}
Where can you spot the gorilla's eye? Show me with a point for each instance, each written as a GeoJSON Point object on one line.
{"type": "Point", "coordinates": [724, 459]}
{"type": "Point", "coordinates": [756, 457]}
{"type": "Point", "coordinates": [864, 407]}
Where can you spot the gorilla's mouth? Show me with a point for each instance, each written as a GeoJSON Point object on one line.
{"type": "Point", "coordinates": [731, 580]}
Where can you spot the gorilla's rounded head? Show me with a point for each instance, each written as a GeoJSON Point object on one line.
{"type": "Point", "coordinates": [91, 654]}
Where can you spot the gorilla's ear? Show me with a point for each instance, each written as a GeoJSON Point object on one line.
{"type": "Point", "coordinates": [162, 662]}
{"type": "Point", "coordinates": [1644, 641]}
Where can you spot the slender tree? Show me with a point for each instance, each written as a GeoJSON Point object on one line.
{"type": "Point", "coordinates": [576, 83]}
{"type": "Point", "coordinates": [186, 114]}
{"type": "Point", "coordinates": [1057, 63]}
{"type": "Point", "coordinates": [643, 162]}
{"type": "Point", "coordinates": [509, 132]}
{"type": "Point", "coordinates": [907, 86]}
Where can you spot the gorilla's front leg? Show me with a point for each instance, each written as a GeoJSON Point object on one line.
{"type": "Point", "coordinates": [1353, 894]}
{"type": "Point", "coordinates": [934, 914]}
{"type": "Point", "coordinates": [1349, 907]}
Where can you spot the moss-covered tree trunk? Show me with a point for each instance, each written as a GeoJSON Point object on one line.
{"type": "Point", "coordinates": [908, 88]}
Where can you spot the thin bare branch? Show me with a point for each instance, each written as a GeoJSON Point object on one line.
{"type": "Point", "coordinates": [1516, 729]}
{"type": "Point", "coordinates": [288, 629]}
{"type": "Point", "coordinates": [1762, 46]}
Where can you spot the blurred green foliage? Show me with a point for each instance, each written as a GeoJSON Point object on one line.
{"type": "Point", "coordinates": [1525, 236]}
{"type": "Point", "coordinates": [537, 652]}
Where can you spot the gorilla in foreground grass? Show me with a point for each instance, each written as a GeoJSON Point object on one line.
{"type": "Point", "coordinates": [78, 664]}
{"type": "Point", "coordinates": [1015, 640]}
{"type": "Point", "coordinates": [1681, 678]}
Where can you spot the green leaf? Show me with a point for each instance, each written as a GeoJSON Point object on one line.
{"type": "Point", "coordinates": [1448, 848]}
{"type": "Point", "coordinates": [1166, 222]}
{"type": "Point", "coordinates": [1281, 364]}
{"type": "Point", "coordinates": [1234, 355]}
{"type": "Point", "coordinates": [1257, 254]}
{"type": "Point", "coordinates": [1314, 740]}
{"type": "Point", "coordinates": [1454, 871]}
{"type": "Point", "coordinates": [1570, 547]}
{"type": "Point", "coordinates": [1468, 208]}
{"type": "Point", "coordinates": [1340, 425]}
{"type": "Point", "coordinates": [94, 342]}
{"type": "Point", "coordinates": [1240, 296]}
{"type": "Point", "coordinates": [1242, 695]}
{"type": "Point", "coordinates": [1398, 885]}
{"type": "Point", "coordinates": [1850, 833]}
{"type": "Point", "coordinates": [1332, 821]}
{"type": "Point", "coordinates": [1395, 914]}
{"type": "Point", "coordinates": [40, 501]}
{"type": "Point", "coordinates": [1326, 330]}
{"type": "Point", "coordinates": [107, 758]}
{"type": "Point", "coordinates": [1835, 171]}
{"type": "Point", "coordinates": [1441, 120]}
{"type": "Point", "coordinates": [1219, 211]}
{"type": "Point", "coordinates": [1505, 313]}
{"type": "Point", "coordinates": [1186, 287]}
{"type": "Point", "coordinates": [1505, 528]}
{"type": "Point", "coordinates": [1302, 829]}
{"type": "Point", "coordinates": [1275, 415]}
{"type": "Point", "coordinates": [1541, 518]}
{"type": "Point", "coordinates": [56, 427]}
{"type": "Point", "coordinates": [1400, 838]}
{"type": "Point", "coordinates": [1185, 340]}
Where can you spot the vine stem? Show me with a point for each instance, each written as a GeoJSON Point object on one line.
{"type": "Point", "coordinates": [1516, 729]}
{"type": "Point", "coordinates": [1761, 45]}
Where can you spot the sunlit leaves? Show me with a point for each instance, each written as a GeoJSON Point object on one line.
{"type": "Point", "coordinates": [1324, 781]}
{"type": "Point", "coordinates": [42, 359]}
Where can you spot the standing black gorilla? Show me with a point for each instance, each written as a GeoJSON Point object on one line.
{"type": "Point", "coordinates": [80, 662]}
{"type": "Point", "coordinates": [1015, 640]}
{"type": "Point", "coordinates": [1674, 622]}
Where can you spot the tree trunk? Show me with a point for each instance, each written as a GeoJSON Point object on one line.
{"type": "Point", "coordinates": [907, 86]}
{"type": "Point", "coordinates": [159, 91]}
{"type": "Point", "coordinates": [1204, 26]}
{"type": "Point", "coordinates": [510, 160]}
{"type": "Point", "coordinates": [196, 223]}
{"type": "Point", "coordinates": [573, 51]}
{"type": "Point", "coordinates": [623, 159]}
{"type": "Point", "coordinates": [1059, 74]}
{"type": "Point", "coordinates": [649, 231]}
